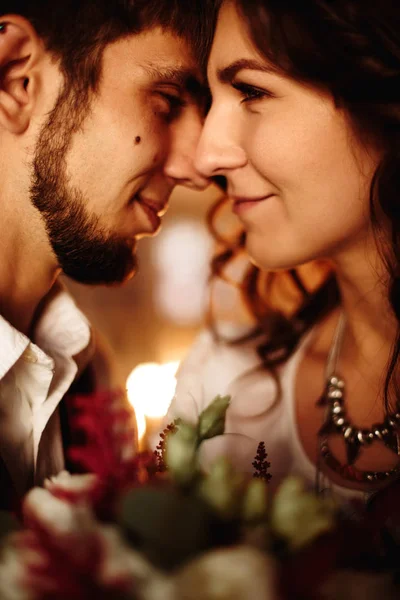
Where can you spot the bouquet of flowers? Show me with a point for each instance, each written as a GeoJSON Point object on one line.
{"type": "Point", "coordinates": [156, 526]}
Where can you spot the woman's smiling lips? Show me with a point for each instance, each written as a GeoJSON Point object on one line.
{"type": "Point", "coordinates": [243, 204]}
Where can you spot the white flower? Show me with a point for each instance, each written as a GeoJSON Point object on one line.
{"type": "Point", "coordinates": [67, 523]}
{"type": "Point", "coordinates": [12, 570]}
{"type": "Point", "coordinates": [240, 573]}
{"type": "Point", "coordinates": [71, 487]}
{"type": "Point", "coordinates": [120, 562]}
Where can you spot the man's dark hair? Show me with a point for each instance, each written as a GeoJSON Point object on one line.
{"type": "Point", "coordinates": [77, 31]}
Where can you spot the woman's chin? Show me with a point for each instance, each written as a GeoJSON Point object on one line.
{"type": "Point", "coordinates": [275, 257]}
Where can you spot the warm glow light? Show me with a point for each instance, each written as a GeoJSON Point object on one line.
{"type": "Point", "coordinates": [140, 424]}
{"type": "Point", "coordinates": [182, 255]}
{"type": "Point", "coordinates": [150, 388]}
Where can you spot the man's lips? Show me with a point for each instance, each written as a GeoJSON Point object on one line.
{"type": "Point", "coordinates": [153, 209]}
{"type": "Point", "coordinates": [159, 207]}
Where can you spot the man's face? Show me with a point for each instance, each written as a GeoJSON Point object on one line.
{"type": "Point", "coordinates": [108, 183]}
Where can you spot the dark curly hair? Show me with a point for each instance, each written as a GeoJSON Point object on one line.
{"type": "Point", "coordinates": [77, 31]}
{"type": "Point", "coordinates": [350, 48]}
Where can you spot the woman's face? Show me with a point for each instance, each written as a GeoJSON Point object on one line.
{"type": "Point", "coordinates": [298, 176]}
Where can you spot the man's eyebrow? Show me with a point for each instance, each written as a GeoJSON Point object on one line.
{"type": "Point", "coordinates": [227, 74]}
{"type": "Point", "coordinates": [172, 74]}
{"type": "Point", "coordinates": [183, 77]}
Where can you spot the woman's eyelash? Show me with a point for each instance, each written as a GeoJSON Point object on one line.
{"type": "Point", "coordinates": [249, 93]}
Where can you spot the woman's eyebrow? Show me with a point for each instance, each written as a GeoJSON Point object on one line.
{"type": "Point", "coordinates": [227, 74]}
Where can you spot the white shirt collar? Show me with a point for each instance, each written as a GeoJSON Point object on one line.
{"type": "Point", "coordinates": [62, 329]}
{"type": "Point", "coordinates": [34, 377]}
{"type": "Point", "coordinates": [12, 345]}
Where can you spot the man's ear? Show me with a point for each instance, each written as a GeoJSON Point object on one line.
{"type": "Point", "coordinates": [21, 50]}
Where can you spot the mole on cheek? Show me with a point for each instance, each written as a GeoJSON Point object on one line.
{"type": "Point", "coordinates": [138, 139]}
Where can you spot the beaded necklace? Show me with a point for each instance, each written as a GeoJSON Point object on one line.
{"type": "Point", "coordinates": [337, 422]}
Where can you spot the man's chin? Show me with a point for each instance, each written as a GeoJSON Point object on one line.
{"type": "Point", "coordinates": [127, 277]}
{"type": "Point", "coordinates": [109, 277]}
{"type": "Point", "coordinates": [109, 266]}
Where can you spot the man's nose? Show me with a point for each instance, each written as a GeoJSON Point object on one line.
{"type": "Point", "coordinates": [218, 151]}
{"type": "Point", "coordinates": [180, 162]}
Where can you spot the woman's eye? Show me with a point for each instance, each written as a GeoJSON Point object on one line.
{"type": "Point", "coordinates": [171, 105]}
{"type": "Point", "coordinates": [249, 92]}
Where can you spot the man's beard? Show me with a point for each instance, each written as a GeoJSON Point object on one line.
{"type": "Point", "coordinates": [84, 250]}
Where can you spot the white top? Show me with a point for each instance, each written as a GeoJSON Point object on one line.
{"type": "Point", "coordinates": [34, 376]}
{"type": "Point", "coordinates": [254, 414]}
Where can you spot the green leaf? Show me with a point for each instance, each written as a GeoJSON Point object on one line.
{"type": "Point", "coordinates": [300, 516]}
{"type": "Point", "coordinates": [222, 489]}
{"type": "Point", "coordinates": [255, 504]}
{"type": "Point", "coordinates": [168, 526]}
{"type": "Point", "coordinates": [212, 419]}
{"type": "Point", "coordinates": [181, 453]}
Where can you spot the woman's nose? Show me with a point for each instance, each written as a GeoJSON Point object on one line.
{"type": "Point", "coordinates": [218, 151]}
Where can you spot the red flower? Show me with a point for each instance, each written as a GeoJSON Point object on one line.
{"type": "Point", "coordinates": [104, 443]}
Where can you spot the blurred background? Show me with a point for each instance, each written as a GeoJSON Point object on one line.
{"type": "Point", "coordinates": [146, 326]}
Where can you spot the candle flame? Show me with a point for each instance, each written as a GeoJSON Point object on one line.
{"type": "Point", "coordinates": [150, 389]}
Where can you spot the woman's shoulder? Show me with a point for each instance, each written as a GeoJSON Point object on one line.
{"type": "Point", "coordinates": [209, 349]}
{"type": "Point", "coordinates": [213, 367]}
